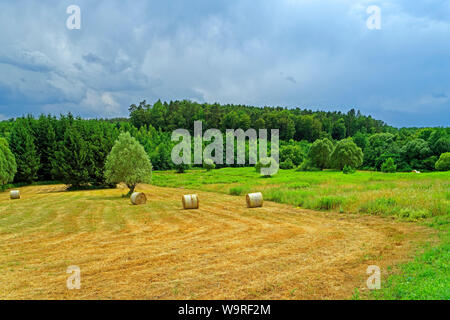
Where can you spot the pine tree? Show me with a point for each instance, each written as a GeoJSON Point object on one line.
{"type": "Point", "coordinates": [8, 166]}
{"type": "Point", "coordinates": [22, 145]}
{"type": "Point", "coordinates": [70, 164]}
{"type": "Point", "coordinates": [46, 145]}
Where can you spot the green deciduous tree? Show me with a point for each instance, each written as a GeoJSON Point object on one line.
{"type": "Point", "coordinates": [389, 166]}
{"type": "Point", "coordinates": [378, 145]}
{"type": "Point", "coordinates": [128, 163]}
{"type": "Point", "coordinates": [443, 164]}
{"type": "Point", "coordinates": [292, 152]}
{"type": "Point", "coordinates": [339, 130]}
{"type": "Point", "coordinates": [320, 152]}
{"type": "Point", "coordinates": [360, 139]}
{"type": "Point", "coordinates": [347, 153]}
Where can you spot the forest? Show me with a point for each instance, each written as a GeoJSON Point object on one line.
{"type": "Point", "coordinates": [73, 150]}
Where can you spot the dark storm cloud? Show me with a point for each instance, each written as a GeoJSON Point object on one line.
{"type": "Point", "coordinates": [284, 53]}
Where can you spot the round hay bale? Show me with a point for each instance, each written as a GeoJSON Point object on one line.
{"type": "Point", "coordinates": [190, 201]}
{"type": "Point", "coordinates": [14, 194]}
{"type": "Point", "coordinates": [138, 198]}
{"type": "Point", "coordinates": [254, 200]}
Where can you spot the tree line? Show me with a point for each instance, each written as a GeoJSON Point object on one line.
{"type": "Point", "coordinates": [74, 150]}
{"type": "Point", "coordinates": [297, 124]}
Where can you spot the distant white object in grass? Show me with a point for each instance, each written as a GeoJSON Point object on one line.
{"type": "Point", "coordinates": [138, 198]}
{"type": "Point", "coordinates": [190, 201]}
{"type": "Point", "coordinates": [415, 171]}
{"type": "Point", "coordinates": [15, 194]}
{"type": "Point", "coordinates": [254, 200]}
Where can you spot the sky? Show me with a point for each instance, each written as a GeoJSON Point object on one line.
{"type": "Point", "coordinates": [315, 54]}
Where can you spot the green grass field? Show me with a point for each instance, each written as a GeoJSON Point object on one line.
{"type": "Point", "coordinates": [313, 240]}
{"type": "Point", "coordinates": [420, 198]}
{"type": "Point", "coordinates": [404, 195]}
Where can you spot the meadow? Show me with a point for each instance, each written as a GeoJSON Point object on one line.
{"type": "Point", "coordinates": [420, 198]}
{"type": "Point", "coordinates": [313, 239]}
{"type": "Point", "coordinates": [402, 195]}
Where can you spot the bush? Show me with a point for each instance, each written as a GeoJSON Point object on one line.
{"type": "Point", "coordinates": [389, 166]}
{"type": "Point", "coordinates": [209, 164]}
{"type": "Point", "coordinates": [307, 166]}
{"type": "Point", "coordinates": [286, 165]}
{"type": "Point", "coordinates": [443, 164]}
{"type": "Point", "coordinates": [348, 170]}
{"type": "Point", "coordinates": [182, 168]}
{"type": "Point", "coordinates": [265, 163]}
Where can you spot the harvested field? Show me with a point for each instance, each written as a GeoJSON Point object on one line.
{"type": "Point", "coordinates": [159, 251]}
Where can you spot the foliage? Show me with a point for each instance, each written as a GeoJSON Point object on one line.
{"type": "Point", "coordinates": [182, 168]}
{"type": "Point", "coordinates": [45, 138]}
{"type": "Point", "coordinates": [320, 152]}
{"type": "Point", "coordinates": [8, 167]}
{"type": "Point", "coordinates": [22, 144]}
{"type": "Point", "coordinates": [378, 145]}
{"type": "Point", "coordinates": [348, 170]}
{"type": "Point", "coordinates": [307, 165]}
{"type": "Point", "coordinates": [128, 163]}
{"type": "Point", "coordinates": [38, 144]}
{"type": "Point", "coordinates": [288, 164]}
{"type": "Point", "coordinates": [71, 161]}
{"type": "Point", "coordinates": [265, 163]}
{"type": "Point", "coordinates": [360, 139]}
{"type": "Point", "coordinates": [443, 164]}
{"type": "Point", "coordinates": [295, 124]}
{"type": "Point", "coordinates": [389, 166]}
{"type": "Point", "coordinates": [347, 153]}
{"type": "Point", "coordinates": [209, 164]}
{"type": "Point", "coordinates": [339, 130]}
{"type": "Point", "coordinates": [292, 151]}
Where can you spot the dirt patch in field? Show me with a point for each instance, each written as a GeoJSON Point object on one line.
{"type": "Point", "coordinates": [159, 251]}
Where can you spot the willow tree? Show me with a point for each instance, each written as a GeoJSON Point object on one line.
{"type": "Point", "coordinates": [128, 163]}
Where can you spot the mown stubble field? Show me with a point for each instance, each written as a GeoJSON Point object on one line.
{"type": "Point", "coordinates": [158, 251]}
